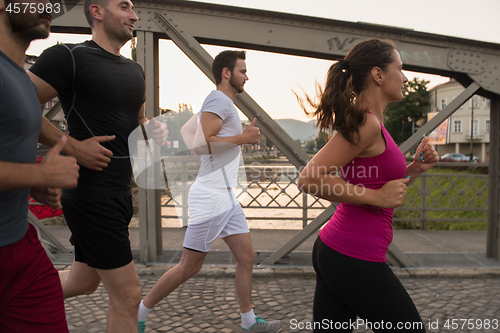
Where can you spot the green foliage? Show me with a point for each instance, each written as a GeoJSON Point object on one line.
{"type": "Point", "coordinates": [412, 108]}
{"type": "Point", "coordinates": [133, 52]}
{"type": "Point", "coordinates": [175, 121]}
{"type": "Point", "coordinates": [455, 192]}
{"type": "Point", "coordinates": [297, 141]}
{"type": "Point", "coordinates": [321, 140]}
{"type": "Point", "coordinates": [310, 145]}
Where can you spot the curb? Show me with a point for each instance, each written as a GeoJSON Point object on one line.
{"type": "Point", "coordinates": [308, 272]}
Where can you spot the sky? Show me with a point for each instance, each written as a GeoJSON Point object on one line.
{"type": "Point", "coordinates": [274, 77]}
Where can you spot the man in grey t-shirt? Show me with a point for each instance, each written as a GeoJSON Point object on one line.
{"type": "Point", "coordinates": [213, 207]}
{"type": "Point", "coordinates": [31, 295]}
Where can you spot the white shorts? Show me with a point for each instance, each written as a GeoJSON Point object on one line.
{"type": "Point", "coordinates": [213, 213]}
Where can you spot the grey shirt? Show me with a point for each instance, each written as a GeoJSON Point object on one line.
{"type": "Point", "coordinates": [20, 124]}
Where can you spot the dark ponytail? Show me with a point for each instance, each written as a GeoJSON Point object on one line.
{"type": "Point", "coordinates": [338, 108]}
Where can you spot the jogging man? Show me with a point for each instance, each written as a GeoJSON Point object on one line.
{"type": "Point", "coordinates": [102, 95]}
{"type": "Point", "coordinates": [31, 298]}
{"type": "Point", "coordinates": [213, 207]}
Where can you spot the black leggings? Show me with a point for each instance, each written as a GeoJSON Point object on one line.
{"type": "Point", "coordinates": [347, 288]}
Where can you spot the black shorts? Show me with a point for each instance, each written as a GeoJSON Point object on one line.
{"type": "Point", "coordinates": [99, 230]}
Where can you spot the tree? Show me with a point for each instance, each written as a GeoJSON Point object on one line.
{"type": "Point", "coordinates": [321, 140]}
{"type": "Point", "coordinates": [401, 116]}
{"type": "Point", "coordinates": [310, 145]}
{"type": "Point", "coordinates": [133, 47]}
{"type": "Point", "coordinates": [175, 121]}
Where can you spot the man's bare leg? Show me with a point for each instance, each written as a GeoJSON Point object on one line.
{"type": "Point", "coordinates": [242, 248]}
{"type": "Point", "coordinates": [190, 264]}
{"type": "Point", "coordinates": [79, 280]}
{"type": "Point", "coordinates": [124, 290]}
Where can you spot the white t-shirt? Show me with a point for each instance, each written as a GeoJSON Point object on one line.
{"type": "Point", "coordinates": [220, 169]}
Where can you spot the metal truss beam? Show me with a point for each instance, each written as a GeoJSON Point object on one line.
{"type": "Point", "coordinates": [464, 59]}
{"type": "Point", "coordinates": [493, 238]}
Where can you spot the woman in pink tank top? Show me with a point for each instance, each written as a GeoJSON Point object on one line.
{"type": "Point", "coordinates": [349, 256]}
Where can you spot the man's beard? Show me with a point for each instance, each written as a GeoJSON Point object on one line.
{"type": "Point", "coordinates": [121, 36]}
{"type": "Point", "coordinates": [26, 31]}
{"type": "Point", "coordinates": [233, 84]}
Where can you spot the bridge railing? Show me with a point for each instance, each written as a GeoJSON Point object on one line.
{"type": "Point", "coordinates": [271, 198]}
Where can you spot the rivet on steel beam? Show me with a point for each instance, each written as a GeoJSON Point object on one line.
{"type": "Point", "coordinates": [270, 30]}
{"type": "Point", "coordinates": [268, 42]}
{"type": "Point", "coordinates": [138, 11]}
{"type": "Point", "coordinates": [149, 12]}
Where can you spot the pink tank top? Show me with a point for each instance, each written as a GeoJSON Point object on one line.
{"type": "Point", "coordinates": [361, 231]}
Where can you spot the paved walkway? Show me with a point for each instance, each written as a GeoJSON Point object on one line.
{"type": "Point", "coordinates": [207, 303]}
{"type": "Point", "coordinates": [455, 287]}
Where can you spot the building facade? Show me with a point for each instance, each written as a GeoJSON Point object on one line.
{"type": "Point", "coordinates": [468, 126]}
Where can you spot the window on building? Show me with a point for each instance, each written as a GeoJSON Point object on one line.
{"type": "Point", "coordinates": [457, 126]}
{"type": "Point", "coordinates": [487, 103]}
{"type": "Point", "coordinates": [443, 103]}
{"type": "Point", "coordinates": [475, 127]}
{"type": "Point", "coordinates": [476, 101]}
{"type": "Point", "coordinates": [487, 126]}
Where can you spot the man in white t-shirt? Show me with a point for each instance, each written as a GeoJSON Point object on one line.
{"type": "Point", "coordinates": [213, 207]}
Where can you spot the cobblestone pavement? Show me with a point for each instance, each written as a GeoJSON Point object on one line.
{"type": "Point", "coordinates": [208, 303]}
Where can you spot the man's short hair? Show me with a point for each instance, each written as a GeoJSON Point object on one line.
{"type": "Point", "coordinates": [86, 9]}
{"type": "Point", "coordinates": [223, 60]}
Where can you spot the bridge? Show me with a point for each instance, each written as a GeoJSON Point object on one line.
{"type": "Point", "coordinates": [475, 64]}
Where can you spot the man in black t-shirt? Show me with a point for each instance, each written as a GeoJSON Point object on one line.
{"type": "Point", "coordinates": [31, 298]}
{"type": "Point", "coordinates": [102, 95]}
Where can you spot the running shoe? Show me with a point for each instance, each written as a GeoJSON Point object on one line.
{"type": "Point", "coordinates": [262, 326]}
{"type": "Point", "coordinates": [142, 326]}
